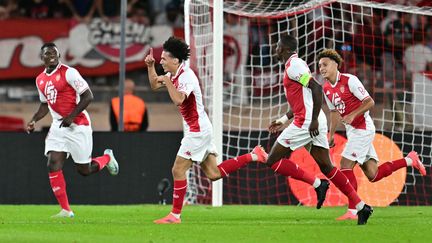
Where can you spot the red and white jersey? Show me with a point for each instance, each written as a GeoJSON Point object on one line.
{"type": "Point", "coordinates": [195, 119]}
{"type": "Point", "coordinates": [345, 96]}
{"type": "Point", "coordinates": [296, 79]}
{"type": "Point", "coordinates": [61, 89]}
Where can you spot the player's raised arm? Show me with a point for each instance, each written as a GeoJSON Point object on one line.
{"type": "Point", "coordinates": [152, 75]}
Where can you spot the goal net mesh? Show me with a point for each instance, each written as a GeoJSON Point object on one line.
{"type": "Point", "coordinates": [384, 45]}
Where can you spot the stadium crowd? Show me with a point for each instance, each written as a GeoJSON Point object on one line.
{"type": "Point", "coordinates": [151, 11]}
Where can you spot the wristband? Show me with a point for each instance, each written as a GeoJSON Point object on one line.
{"type": "Point", "coordinates": [282, 120]}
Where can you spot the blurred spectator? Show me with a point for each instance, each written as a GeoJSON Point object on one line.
{"type": "Point", "coordinates": [135, 117]}
{"type": "Point", "coordinates": [346, 50]}
{"type": "Point", "coordinates": [82, 10]}
{"type": "Point", "coordinates": [6, 8]}
{"type": "Point", "coordinates": [259, 41]}
{"type": "Point", "coordinates": [398, 35]}
{"type": "Point", "coordinates": [428, 33]}
{"type": "Point", "coordinates": [424, 26]}
{"type": "Point", "coordinates": [138, 14]}
{"type": "Point", "coordinates": [172, 16]}
{"type": "Point", "coordinates": [368, 44]}
{"type": "Point", "coordinates": [158, 6]}
{"type": "Point", "coordinates": [418, 57]}
{"type": "Point", "coordinates": [37, 9]}
{"type": "Point", "coordinates": [108, 9]}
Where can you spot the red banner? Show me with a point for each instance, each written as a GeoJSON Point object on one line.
{"type": "Point", "coordinates": [91, 48]}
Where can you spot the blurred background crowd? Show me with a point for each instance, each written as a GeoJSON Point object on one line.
{"type": "Point", "coordinates": [384, 48]}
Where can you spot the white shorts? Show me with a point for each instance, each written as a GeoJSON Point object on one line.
{"type": "Point", "coordinates": [197, 148]}
{"type": "Point", "coordinates": [74, 140]}
{"type": "Point", "coordinates": [359, 146]}
{"type": "Point", "coordinates": [294, 137]}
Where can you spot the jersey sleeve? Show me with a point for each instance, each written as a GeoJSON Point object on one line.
{"type": "Point", "coordinates": [186, 85]}
{"type": "Point", "coordinates": [357, 88]}
{"type": "Point", "coordinates": [42, 97]}
{"type": "Point", "coordinates": [74, 79]}
{"type": "Point", "coordinates": [329, 103]}
{"type": "Point", "coordinates": [299, 71]}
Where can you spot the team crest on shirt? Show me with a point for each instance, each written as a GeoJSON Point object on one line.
{"type": "Point", "coordinates": [342, 89]}
{"type": "Point", "coordinates": [57, 78]}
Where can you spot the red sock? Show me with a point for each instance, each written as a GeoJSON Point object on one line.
{"type": "Point", "coordinates": [349, 173]}
{"type": "Point", "coordinates": [179, 193]}
{"type": "Point", "coordinates": [387, 168]}
{"type": "Point", "coordinates": [231, 165]}
{"type": "Point", "coordinates": [58, 186]}
{"type": "Point", "coordinates": [102, 160]}
{"type": "Point", "coordinates": [288, 168]}
{"type": "Point", "coordinates": [342, 183]}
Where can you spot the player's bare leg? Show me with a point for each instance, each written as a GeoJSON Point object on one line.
{"type": "Point", "coordinates": [87, 169]}
{"type": "Point", "coordinates": [375, 173]}
{"type": "Point", "coordinates": [58, 183]}
{"type": "Point", "coordinates": [215, 172]}
{"type": "Point", "coordinates": [181, 165]}
{"type": "Point", "coordinates": [278, 161]}
{"type": "Point", "coordinates": [98, 163]}
{"type": "Point", "coordinates": [322, 157]}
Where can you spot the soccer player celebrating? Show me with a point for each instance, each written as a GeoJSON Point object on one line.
{"type": "Point", "coordinates": [197, 145]}
{"type": "Point", "coordinates": [64, 93]}
{"type": "Point", "coordinates": [346, 95]}
{"type": "Point", "coordinates": [304, 96]}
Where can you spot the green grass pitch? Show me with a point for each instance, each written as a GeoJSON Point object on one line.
{"type": "Point", "coordinates": [30, 223]}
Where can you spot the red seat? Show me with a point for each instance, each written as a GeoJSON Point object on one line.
{"type": "Point", "coordinates": [9, 123]}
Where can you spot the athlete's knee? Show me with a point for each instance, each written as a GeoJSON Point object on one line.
{"type": "Point", "coordinates": [54, 165]}
{"type": "Point", "coordinates": [272, 159]}
{"type": "Point", "coordinates": [370, 175]}
{"type": "Point", "coordinates": [213, 176]}
{"type": "Point", "coordinates": [326, 168]}
{"type": "Point", "coordinates": [370, 170]}
{"type": "Point", "coordinates": [325, 165]}
{"type": "Point", "coordinates": [178, 172]}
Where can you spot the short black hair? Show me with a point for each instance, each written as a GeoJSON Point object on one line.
{"type": "Point", "coordinates": [289, 42]}
{"type": "Point", "coordinates": [48, 44]}
{"type": "Point", "coordinates": [178, 48]}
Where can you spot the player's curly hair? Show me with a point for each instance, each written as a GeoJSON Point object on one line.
{"type": "Point", "coordinates": [332, 54]}
{"type": "Point", "coordinates": [178, 48]}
